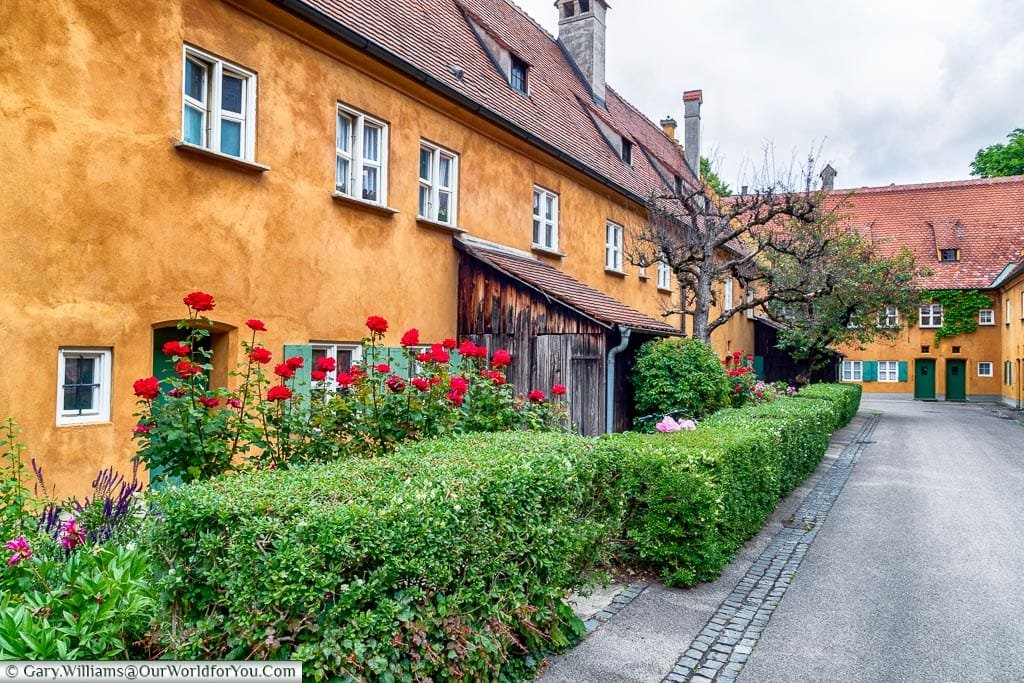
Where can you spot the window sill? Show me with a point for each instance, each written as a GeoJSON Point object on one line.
{"type": "Point", "coordinates": [616, 273]}
{"type": "Point", "coordinates": [664, 291]}
{"type": "Point", "coordinates": [363, 204]}
{"type": "Point", "coordinates": [219, 158]}
{"type": "Point", "coordinates": [439, 226]}
{"type": "Point", "coordinates": [546, 251]}
{"type": "Point", "coordinates": [99, 422]}
{"type": "Point", "coordinates": [644, 277]}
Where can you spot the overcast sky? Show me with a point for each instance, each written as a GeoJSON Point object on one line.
{"type": "Point", "coordinates": [894, 91]}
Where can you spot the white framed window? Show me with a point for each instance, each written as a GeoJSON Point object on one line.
{"type": "Point", "coordinates": [986, 316]}
{"type": "Point", "coordinates": [218, 105]}
{"type": "Point", "coordinates": [613, 247]}
{"type": "Point", "coordinates": [889, 317]}
{"type": "Point", "coordinates": [888, 371]}
{"type": "Point", "coordinates": [1022, 305]}
{"type": "Point", "coordinates": [930, 315]}
{"type": "Point", "coordinates": [83, 386]}
{"type": "Point", "coordinates": [361, 151]}
{"type": "Point", "coordinates": [1008, 372]}
{"type": "Point", "coordinates": [344, 356]}
{"type": "Point", "coordinates": [750, 298]}
{"type": "Point", "coordinates": [728, 294]}
{"type": "Point", "coordinates": [545, 218]}
{"type": "Point", "coordinates": [852, 371]}
{"type": "Point", "coordinates": [984, 368]}
{"type": "Point", "coordinates": [439, 170]}
{"type": "Point", "coordinates": [664, 276]}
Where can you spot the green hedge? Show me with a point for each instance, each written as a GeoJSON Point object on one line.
{"type": "Point", "coordinates": [452, 558]}
{"type": "Point", "coordinates": [845, 396]}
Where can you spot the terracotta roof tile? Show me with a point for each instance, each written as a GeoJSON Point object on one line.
{"type": "Point", "coordinates": [983, 218]}
{"type": "Point", "coordinates": [565, 289]}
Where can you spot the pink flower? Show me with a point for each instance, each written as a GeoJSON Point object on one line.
{"type": "Point", "coordinates": [536, 396]}
{"type": "Point", "coordinates": [256, 325]}
{"type": "Point", "coordinates": [72, 534]}
{"type": "Point", "coordinates": [234, 402]}
{"type": "Point", "coordinates": [142, 429]}
{"type": "Point", "coordinates": [558, 390]}
{"type": "Point", "coordinates": [21, 548]}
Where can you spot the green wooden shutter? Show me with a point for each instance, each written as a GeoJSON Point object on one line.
{"type": "Point", "coordinates": [301, 383]}
{"type": "Point", "coordinates": [870, 370]}
{"type": "Point", "coordinates": [759, 366]}
{"type": "Point", "coordinates": [903, 370]}
{"type": "Point", "coordinates": [399, 361]}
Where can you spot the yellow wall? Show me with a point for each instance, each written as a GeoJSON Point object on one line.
{"type": "Point", "coordinates": [1012, 327]}
{"type": "Point", "coordinates": [111, 225]}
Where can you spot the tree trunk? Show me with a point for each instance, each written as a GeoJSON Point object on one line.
{"type": "Point", "coordinates": [702, 307]}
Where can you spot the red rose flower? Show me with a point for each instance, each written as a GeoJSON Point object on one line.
{"type": "Point", "coordinates": [260, 354]}
{"type": "Point", "coordinates": [438, 354]}
{"type": "Point", "coordinates": [737, 388]}
{"type": "Point", "coordinates": [468, 349]}
{"type": "Point", "coordinates": [558, 390]}
{"type": "Point", "coordinates": [279, 393]}
{"type": "Point", "coordinates": [199, 301]}
{"type": "Point", "coordinates": [284, 371]}
{"type": "Point", "coordinates": [187, 369]}
{"type": "Point", "coordinates": [459, 385]}
{"type": "Point", "coordinates": [501, 358]}
{"type": "Point", "coordinates": [210, 402]}
{"type": "Point", "coordinates": [175, 348]}
{"type": "Point", "coordinates": [496, 377]}
{"type": "Point", "coordinates": [382, 368]}
{"type": "Point", "coordinates": [234, 402]}
{"type": "Point", "coordinates": [536, 396]}
{"type": "Point", "coordinates": [142, 429]}
{"type": "Point", "coordinates": [295, 362]}
{"type": "Point", "coordinates": [411, 337]}
{"type": "Point", "coordinates": [421, 384]}
{"type": "Point", "coordinates": [424, 357]}
{"type": "Point", "coordinates": [377, 324]}
{"type": "Point", "coordinates": [455, 398]}
{"type": "Point", "coordinates": [396, 384]}
{"type": "Point", "coordinates": [148, 388]}
{"type": "Point", "coordinates": [434, 379]}
{"type": "Point", "coordinates": [177, 392]}
{"type": "Point", "coordinates": [256, 325]}
{"type": "Point", "coordinates": [318, 375]}
{"type": "Point", "coordinates": [326, 364]}
{"type": "Point", "coordinates": [346, 379]}
{"type": "Point", "coordinates": [449, 344]}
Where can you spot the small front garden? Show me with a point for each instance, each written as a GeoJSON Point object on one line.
{"type": "Point", "coordinates": [410, 518]}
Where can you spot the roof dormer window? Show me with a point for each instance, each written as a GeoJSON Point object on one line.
{"type": "Point", "coordinates": [949, 255]}
{"type": "Point", "coordinates": [627, 151]}
{"type": "Point", "coordinates": [568, 9]}
{"type": "Point", "coordinates": [517, 76]}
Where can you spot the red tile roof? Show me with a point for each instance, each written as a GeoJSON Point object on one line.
{"type": "Point", "coordinates": [564, 289]}
{"type": "Point", "coordinates": [983, 219]}
{"type": "Point", "coordinates": [435, 37]}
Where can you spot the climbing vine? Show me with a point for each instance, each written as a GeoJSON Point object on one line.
{"type": "Point", "coordinates": [959, 310]}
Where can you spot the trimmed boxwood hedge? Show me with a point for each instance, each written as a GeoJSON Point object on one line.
{"type": "Point", "coordinates": [451, 559]}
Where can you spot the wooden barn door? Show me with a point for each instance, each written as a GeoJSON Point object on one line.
{"type": "Point", "coordinates": [576, 361]}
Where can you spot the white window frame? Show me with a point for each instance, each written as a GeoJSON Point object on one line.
{"type": "Point", "coordinates": [750, 311]}
{"type": "Point", "coordinates": [1022, 305]}
{"type": "Point", "coordinates": [1009, 311]}
{"type": "Point", "coordinates": [330, 350]}
{"type": "Point", "coordinates": [986, 316]}
{"type": "Point", "coordinates": [1008, 373]}
{"type": "Point", "coordinates": [727, 298]}
{"type": "Point", "coordinates": [852, 371]}
{"type": "Point", "coordinates": [542, 225]}
{"type": "Point", "coordinates": [664, 277]}
{"type": "Point", "coordinates": [356, 158]}
{"type": "Point", "coordinates": [932, 313]}
{"type": "Point", "coordinates": [888, 371]}
{"type": "Point", "coordinates": [888, 317]}
{"type": "Point", "coordinates": [433, 187]}
{"type": "Point", "coordinates": [211, 108]}
{"type": "Point", "coordinates": [981, 366]}
{"type": "Point", "coordinates": [613, 236]}
{"type": "Point", "coordinates": [101, 405]}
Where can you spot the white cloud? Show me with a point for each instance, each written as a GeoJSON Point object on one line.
{"type": "Point", "coordinates": [899, 90]}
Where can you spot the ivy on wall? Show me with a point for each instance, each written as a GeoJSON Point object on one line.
{"type": "Point", "coordinates": [959, 310]}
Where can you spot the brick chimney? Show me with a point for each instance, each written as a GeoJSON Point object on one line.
{"type": "Point", "coordinates": [692, 99]}
{"type": "Point", "coordinates": [828, 177]}
{"type": "Point", "coordinates": [581, 30]}
{"type": "Point", "coordinates": [668, 126]}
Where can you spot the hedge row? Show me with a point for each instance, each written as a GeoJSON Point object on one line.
{"type": "Point", "coordinates": [451, 559]}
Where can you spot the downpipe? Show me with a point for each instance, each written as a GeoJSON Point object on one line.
{"type": "Point", "coordinates": [609, 403]}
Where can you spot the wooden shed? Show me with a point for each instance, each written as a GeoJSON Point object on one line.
{"type": "Point", "coordinates": [559, 330]}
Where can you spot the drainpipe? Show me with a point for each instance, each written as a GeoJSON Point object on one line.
{"type": "Point", "coordinates": [609, 403]}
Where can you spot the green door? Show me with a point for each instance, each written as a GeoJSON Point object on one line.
{"type": "Point", "coordinates": [924, 378]}
{"type": "Point", "coordinates": [956, 380]}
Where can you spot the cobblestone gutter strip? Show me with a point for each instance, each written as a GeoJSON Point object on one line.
{"type": "Point", "coordinates": [621, 599]}
{"type": "Point", "coordinates": [722, 648]}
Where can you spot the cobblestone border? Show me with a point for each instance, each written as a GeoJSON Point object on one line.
{"type": "Point", "coordinates": [721, 650]}
{"type": "Point", "coordinates": [620, 600]}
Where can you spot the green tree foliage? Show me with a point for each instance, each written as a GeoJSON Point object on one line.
{"type": "Point", "coordinates": [1001, 160]}
{"type": "Point", "coordinates": [712, 179]}
{"type": "Point", "coordinates": [679, 375]}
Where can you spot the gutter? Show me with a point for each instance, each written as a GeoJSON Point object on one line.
{"type": "Point", "coordinates": [609, 403]}
{"type": "Point", "coordinates": [347, 35]}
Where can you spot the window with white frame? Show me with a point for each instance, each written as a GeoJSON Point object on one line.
{"type": "Point", "coordinates": [750, 298]}
{"type": "Point", "coordinates": [83, 386]}
{"type": "Point", "coordinates": [218, 107]}
{"type": "Point", "coordinates": [344, 356]}
{"type": "Point", "coordinates": [361, 146]}
{"type": "Point", "coordinates": [545, 219]}
{"type": "Point", "coordinates": [728, 294]}
{"type": "Point", "coordinates": [1006, 317]}
{"type": "Point", "coordinates": [664, 276]}
{"type": "Point", "coordinates": [852, 371]}
{"type": "Point", "coordinates": [889, 317]}
{"type": "Point", "coordinates": [986, 316]}
{"type": "Point", "coordinates": [613, 247]}
{"type": "Point", "coordinates": [1022, 305]}
{"type": "Point", "coordinates": [984, 368]}
{"type": "Point", "coordinates": [930, 315]}
{"type": "Point", "coordinates": [439, 170]}
{"type": "Point", "coordinates": [888, 371]}
{"type": "Point", "coordinates": [1007, 372]}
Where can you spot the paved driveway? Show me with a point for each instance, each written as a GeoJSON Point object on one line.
{"type": "Point", "coordinates": [917, 574]}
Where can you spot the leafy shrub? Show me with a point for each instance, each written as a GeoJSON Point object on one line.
{"type": "Point", "coordinates": [846, 398]}
{"type": "Point", "coordinates": [679, 375]}
{"type": "Point", "coordinates": [448, 559]}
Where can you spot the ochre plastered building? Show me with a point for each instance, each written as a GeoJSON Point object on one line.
{"type": "Point", "coordinates": [308, 163]}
